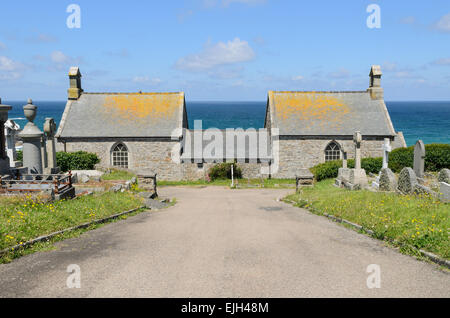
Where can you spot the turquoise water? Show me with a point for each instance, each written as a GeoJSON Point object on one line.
{"type": "Point", "coordinates": [429, 121]}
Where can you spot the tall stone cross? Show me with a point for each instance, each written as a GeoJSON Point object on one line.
{"type": "Point", "coordinates": [357, 138]}
{"type": "Point", "coordinates": [344, 159]}
{"type": "Point", "coordinates": [386, 150]}
{"type": "Point", "coordinates": [419, 159]}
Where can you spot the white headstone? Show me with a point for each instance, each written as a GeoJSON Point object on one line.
{"type": "Point", "coordinates": [419, 159]}
{"type": "Point", "coordinates": [386, 150]}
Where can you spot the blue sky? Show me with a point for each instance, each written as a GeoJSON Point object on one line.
{"type": "Point", "coordinates": [224, 49]}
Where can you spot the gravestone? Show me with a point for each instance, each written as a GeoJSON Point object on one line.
{"type": "Point", "coordinates": [11, 130]}
{"type": "Point", "coordinates": [344, 160]}
{"type": "Point", "coordinates": [444, 175]}
{"type": "Point", "coordinates": [386, 150]}
{"type": "Point", "coordinates": [31, 136]}
{"type": "Point", "coordinates": [388, 181]}
{"type": "Point", "coordinates": [444, 192]}
{"type": "Point", "coordinates": [419, 159]}
{"type": "Point", "coordinates": [4, 159]}
{"type": "Point", "coordinates": [358, 175]}
{"type": "Point", "coordinates": [49, 131]}
{"type": "Point", "coordinates": [407, 181]}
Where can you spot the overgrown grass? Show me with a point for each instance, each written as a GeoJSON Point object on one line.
{"type": "Point", "coordinates": [243, 183]}
{"type": "Point", "coordinates": [24, 218]}
{"type": "Point", "coordinates": [419, 221]}
{"type": "Point", "coordinates": [118, 175]}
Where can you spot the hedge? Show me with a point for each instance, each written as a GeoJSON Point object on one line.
{"type": "Point", "coordinates": [437, 157]}
{"type": "Point", "coordinates": [330, 169]}
{"type": "Point", "coordinates": [79, 160]}
{"type": "Point", "coordinates": [223, 171]}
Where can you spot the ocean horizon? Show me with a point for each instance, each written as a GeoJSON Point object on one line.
{"type": "Point", "coordinates": [425, 120]}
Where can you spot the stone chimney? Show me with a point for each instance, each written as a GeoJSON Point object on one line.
{"type": "Point", "coordinates": [75, 89]}
{"type": "Point", "coordinates": [375, 89]}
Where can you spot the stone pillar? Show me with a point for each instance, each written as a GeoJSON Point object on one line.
{"type": "Point", "coordinates": [419, 159]}
{"type": "Point", "coordinates": [4, 159]}
{"type": "Point", "coordinates": [49, 131]}
{"type": "Point", "coordinates": [31, 136]}
{"type": "Point", "coordinates": [386, 150]}
{"type": "Point", "coordinates": [344, 159]}
{"type": "Point", "coordinates": [357, 138]}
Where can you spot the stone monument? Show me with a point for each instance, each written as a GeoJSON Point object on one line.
{"type": "Point", "coordinates": [11, 131]}
{"type": "Point", "coordinates": [358, 175]}
{"type": "Point", "coordinates": [419, 159]}
{"type": "Point", "coordinates": [386, 150]}
{"type": "Point", "coordinates": [49, 131]}
{"type": "Point", "coordinates": [31, 136]}
{"type": "Point", "coordinates": [4, 159]}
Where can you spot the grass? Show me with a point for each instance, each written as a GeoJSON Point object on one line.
{"type": "Point", "coordinates": [118, 175]}
{"type": "Point", "coordinates": [24, 218]}
{"type": "Point", "coordinates": [419, 221]}
{"type": "Point", "coordinates": [243, 183]}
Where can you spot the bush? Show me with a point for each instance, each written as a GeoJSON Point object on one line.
{"type": "Point", "coordinates": [326, 170]}
{"type": "Point", "coordinates": [19, 155]}
{"type": "Point", "coordinates": [330, 169]}
{"type": "Point", "coordinates": [437, 157]}
{"type": "Point", "coordinates": [223, 171]}
{"type": "Point", "coordinates": [79, 160]}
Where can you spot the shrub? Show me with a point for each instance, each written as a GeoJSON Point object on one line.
{"type": "Point", "coordinates": [326, 170]}
{"type": "Point", "coordinates": [437, 157]}
{"type": "Point", "coordinates": [330, 169]}
{"type": "Point", "coordinates": [223, 171]}
{"type": "Point", "coordinates": [79, 160]}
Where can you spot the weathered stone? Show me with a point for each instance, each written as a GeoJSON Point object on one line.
{"type": "Point", "coordinates": [421, 189]}
{"type": "Point", "coordinates": [116, 188]}
{"type": "Point", "coordinates": [388, 181]}
{"type": "Point", "coordinates": [358, 176]}
{"type": "Point", "coordinates": [386, 150]}
{"type": "Point", "coordinates": [155, 204]}
{"type": "Point", "coordinates": [444, 192]}
{"type": "Point", "coordinates": [419, 159]}
{"type": "Point", "coordinates": [84, 178]}
{"type": "Point", "coordinates": [407, 181]}
{"type": "Point", "coordinates": [31, 136]}
{"type": "Point", "coordinates": [444, 176]}
{"type": "Point", "coordinates": [147, 195]}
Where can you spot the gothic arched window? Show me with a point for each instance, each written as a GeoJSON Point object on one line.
{"type": "Point", "coordinates": [332, 152]}
{"type": "Point", "coordinates": [120, 156]}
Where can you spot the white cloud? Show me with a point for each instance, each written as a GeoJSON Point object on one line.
{"type": "Point", "coordinates": [10, 69]}
{"type": "Point", "coordinates": [8, 65]}
{"type": "Point", "coordinates": [60, 60]}
{"type": "Point", "coordinates": [409, 20]}
{"type": "Point", "coordinates": [2, 46]}
{"type": "Point", "coordinates": [443, 24]}
{"type": "Point", "coordinates": [342, 73]}
{"type": "Point", "coordinates": [147, 80]}
{"type": "Point", "coordinates": [43, 38]}
{"type": "Point", "coordinates": [297, 78]}
{"type": "Point", "coordinates": [443, 61]}
{"type": "Point", "coordinates": [212, 56]}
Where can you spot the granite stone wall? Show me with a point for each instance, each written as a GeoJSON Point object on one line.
{"type": "Point", "coordinates": [153, 156]}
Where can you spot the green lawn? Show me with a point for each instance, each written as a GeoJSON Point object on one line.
{"type": "Point", "coordinates": [118, 175]}
{"type": "Point", "coordinates": [24, 218]}
{"type": "Point", "coordinates": [419, 221]}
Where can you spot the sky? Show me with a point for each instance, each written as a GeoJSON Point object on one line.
{"type": "Point", "coordinates": [224, 50]}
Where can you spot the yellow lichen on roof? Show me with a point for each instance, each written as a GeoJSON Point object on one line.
{"type": "Point", "coordinates": [310, 106]}
{"type": "Point", "coordinates": [140, 107]}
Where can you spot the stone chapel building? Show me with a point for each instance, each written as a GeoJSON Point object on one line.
{"type": "Point", "coordinates": [150, 132]}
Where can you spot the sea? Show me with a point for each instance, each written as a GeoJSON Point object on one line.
{"type": "Point", "coordinates": [429, 121]}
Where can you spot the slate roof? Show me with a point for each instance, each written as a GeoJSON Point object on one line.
{"type": "Point", "coordinates": [123, 115]}
{"type": "Point", "coordinates": [328, 113]}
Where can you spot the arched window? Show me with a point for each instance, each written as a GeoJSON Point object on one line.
{"type": "Point", "coordinates": [332, 152]}
{"type": "Point", "coordinates": [120, 156]}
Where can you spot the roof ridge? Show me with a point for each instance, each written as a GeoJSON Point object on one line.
{"type": "Point", "coordinates": [320, 92]}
